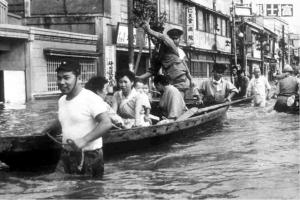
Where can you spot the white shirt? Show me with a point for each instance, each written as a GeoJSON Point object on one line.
{"type": "Point", "coordinates": [181, 53]}
{"type": "Point", "coordinates": [258, 86]}
{"type": "Point", "coordinates": [77, 116]}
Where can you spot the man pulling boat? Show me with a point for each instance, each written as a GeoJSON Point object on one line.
{"type": "Point", "coordinates": [84, 120]}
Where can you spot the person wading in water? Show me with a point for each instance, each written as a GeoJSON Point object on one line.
{"type": "Point", "coordinates": [84, 120]}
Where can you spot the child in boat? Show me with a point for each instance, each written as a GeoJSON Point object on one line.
{"type": "Point", "coordinates": [146, 107]}
{"type": "Point", "coordinates": [99, 85]}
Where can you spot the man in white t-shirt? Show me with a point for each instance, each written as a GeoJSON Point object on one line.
{"type": "Point", "coordinates": [258, 87]}
{"type": "Point", "coordinates": [83, 118]}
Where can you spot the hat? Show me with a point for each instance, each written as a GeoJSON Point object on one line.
{"type": "Point", "coordinates": [174, 32]}
{"type": "Point", "coordinates": [288, 68]}
{"type": "Point", "coordinates": [217, 67]}
{"type": "Point", "coordinates": [69, 66]}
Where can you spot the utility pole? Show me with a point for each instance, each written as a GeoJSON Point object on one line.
{"type": "Point", "coordinates": [233, 42]}
{"type": "Point", "coordinates": [130, 36]}
{"type": "Point", "coordinates": [243, 45]}
{"type": "Point", "coordinates": [283, 48]}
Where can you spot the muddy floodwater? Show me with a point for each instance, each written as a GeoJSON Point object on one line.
{"type": "Point", "coordinates": [253, 153]}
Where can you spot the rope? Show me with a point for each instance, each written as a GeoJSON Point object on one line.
{"type": "Point", "coordinates": [54, 139]}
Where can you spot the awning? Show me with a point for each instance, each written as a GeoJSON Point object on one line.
{"type": "Point", "coordinates": [254, 25]}
{"type": "Point", "coordinates": [71, 53]}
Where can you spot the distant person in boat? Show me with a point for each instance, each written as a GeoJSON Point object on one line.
{"type": "Point", "coordinates": [127, 102]}
{"type": "Point", "coordinates": [99, 85]}
{"type": "Point", "coordinates": [258, 87]}
{"type": "Point", "coordinates": [170, 58]}
{"type": "Point", "coordinates": [288, 91]}
{"type": "Point", "coordinates": [171, 101]}
{"type": "Point", "coordinates": [216, 90]}
{"type": "Point", "coordinates": [84, 120]}
{"type": "Point", "coordinates": [242, 83]}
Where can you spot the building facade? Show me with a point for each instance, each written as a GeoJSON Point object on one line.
{"type": "Point", "coordinates": [30, 55]}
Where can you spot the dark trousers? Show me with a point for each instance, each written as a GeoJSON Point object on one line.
{"type": "Point", "coordinates": [88, 163]}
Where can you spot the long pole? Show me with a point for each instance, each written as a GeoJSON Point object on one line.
{"type": "Point", "coordinates": [130, 36]}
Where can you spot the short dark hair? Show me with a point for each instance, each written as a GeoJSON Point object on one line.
{"type": "Point", "coordinates": [96, 83]}
{"type": "Point", "coordinates": [219, 67]}
{"type": "Point", "coordinates": [240, 72]}
{"type": "Point", "coordinates": [162, 79]}
{"type": "Point", "coordinates": [69, 66]}
{"type": "Point", "coordinates": [122, 73]}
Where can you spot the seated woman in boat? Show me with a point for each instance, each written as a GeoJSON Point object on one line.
{"type": "Point", "coordinates": [128, 102]}
{"type": "Point", "coordinates": [216, 90]}
{"type": "Point", "coordinates": [99, 85]}
{"type": "Point", "coordinates": [171, 102]}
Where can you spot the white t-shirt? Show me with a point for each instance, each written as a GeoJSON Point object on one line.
{"type": "Point", "coordinates": [77, 116]}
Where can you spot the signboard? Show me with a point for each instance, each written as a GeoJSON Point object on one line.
{"type": "Point", "coordinates": [110, 66]}
{"type": "Point", "coordinates": [286, 10]}
{"type": "Point", "coordinates": [280, 10]}
{"type": "Point", "coordinates": [243, 10]}
{"type": "Point", "coordinates": [190, 24]}
{"type": "Point", "coordinates": [122, 37]}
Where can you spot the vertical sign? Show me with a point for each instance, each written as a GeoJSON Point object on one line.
{"type": "Point", "coordinates": [191, 24]}
{"type": "Point", "coordinates": [110, 66]}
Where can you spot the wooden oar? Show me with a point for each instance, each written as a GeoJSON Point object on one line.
{"type": "Point", "coordinates": [195, 110]}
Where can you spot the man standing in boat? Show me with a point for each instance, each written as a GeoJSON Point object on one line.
{"type": "Point", "coordinates": [170, 58]}
{"type": "Point", "coordinates": [216, 90]}
{"type": "Point", "coordinates": [84, 120]}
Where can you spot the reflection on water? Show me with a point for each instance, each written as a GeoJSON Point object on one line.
{"type": "Point", "coordinates": [253, 153]}
{"type": "Point", "coordinates": [26, 119]}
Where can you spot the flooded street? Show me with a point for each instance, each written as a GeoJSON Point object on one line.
{"type": "Point", "coordinates": [251, 154]}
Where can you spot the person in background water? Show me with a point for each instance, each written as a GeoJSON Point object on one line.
{"type": "Point", "coordinates": [288, 92]}
{"type": "Point", "coordinates": [242, 83]}
{"type": "Point", "coordinates": [128, 102]}
{"type": "Point", "coordinates": [170, 58]}
{"type": "Point", "coordinates": [171, 101]}
{"type": "Point", "coordinates": [84, 120]}
{"type": "Point", "coordinates": [145, 112]}
{"type": "Point", "coordinates": [100, 86]}
{"type": "Point", "coordinates": [259, 87]}
{"type": "Point", "coordinates": [216, 90]}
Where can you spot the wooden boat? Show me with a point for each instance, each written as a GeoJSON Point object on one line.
{"type": "Point", "coordinates": [27, 152]}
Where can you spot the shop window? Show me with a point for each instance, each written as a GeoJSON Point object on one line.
{"type": "Point", "coordinates": [198, 69]}
{"type": "Point", "coordinates": [224, 28]}
{"type": "Point", "coordinates": [200, 20]}
{"type": "Point", "coordinates": [218, 26]}
{"type": "Point", "coordinates": [88, 70]}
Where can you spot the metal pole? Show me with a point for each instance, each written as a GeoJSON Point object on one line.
{"type": "Point", "coordinates": [130, 36]}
